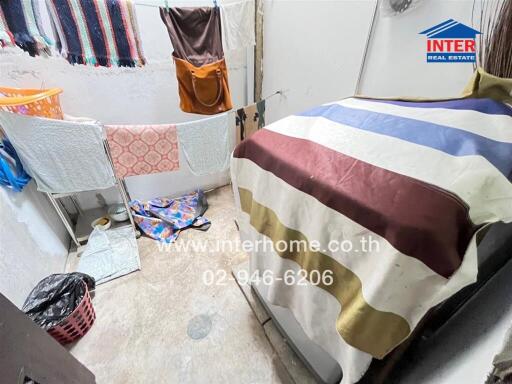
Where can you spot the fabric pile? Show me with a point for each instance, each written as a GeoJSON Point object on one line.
{"type": "Point", "coordinates": [163, 218]}
{"type": "Point", "coordinates": [143, 149]}
{"type": "Point", "coordinates": [101, 32]}
{"type": "Point", "coordinates": [20, 24]}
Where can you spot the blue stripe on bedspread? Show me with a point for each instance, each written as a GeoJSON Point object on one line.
{"type": "Point", "coordinates": [453, 141]}
{"type": "Point", "coordinates": [487, 106]}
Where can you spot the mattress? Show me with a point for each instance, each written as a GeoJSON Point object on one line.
{"type": "Point", "coordinates": [389, 197]}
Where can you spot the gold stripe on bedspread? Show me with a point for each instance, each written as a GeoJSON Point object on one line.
{"type": "Point", "coordinates": [359, 324]}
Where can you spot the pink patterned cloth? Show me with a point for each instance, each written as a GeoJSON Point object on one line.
{"type": "Point", "coordinates": [143, 149]}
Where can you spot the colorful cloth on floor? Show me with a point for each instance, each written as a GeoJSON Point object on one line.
{"type": "Point", "coordinates": [163, 218]}
{"type": "Point", "coordinates": [238, 29]}
{"type": "Point", "coordinates": [97, 32]}
{"type": "Point", "coordinates": [249, 119]}
{"type": "Point", "coordinates": [143, 149]}
{"type": "Point", "coordinates": [62, 156]}
{"type": "Point", "coordinates": [20, 24]}
{"type": "Point", "coordinates": [207, 144]}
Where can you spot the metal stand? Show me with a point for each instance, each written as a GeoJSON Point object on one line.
{"type": "Point", "coordinates": [80, 232]}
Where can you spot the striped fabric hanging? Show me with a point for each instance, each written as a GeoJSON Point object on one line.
{"type": "Point", "coordinates": [97, 32]}
{"type": "Point", "coordinates": [6, 36]}
{"type": "Point", "coordinates": [20, 24]}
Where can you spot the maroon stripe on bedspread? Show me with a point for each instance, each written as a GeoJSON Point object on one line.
{"type": "Point", "coordinates": [418, 219]}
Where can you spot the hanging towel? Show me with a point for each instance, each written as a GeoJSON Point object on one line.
{"type": "Point", "coordinates": [62, 156]}
{"type": "Point", "coordinates": [19, 21]}
{"type": "Point", "coordinates": [143, 149]}
{"type": "Point", "coordinates": [249, 119]}
{"type": "Point", "coordinates": [195, 34]}
{"type": "Point", "coordinates": [97, 32]}
{"type": "Point", "coordinates": [238, 29]}
{"type": "Point", "coordinates": [206, 144]}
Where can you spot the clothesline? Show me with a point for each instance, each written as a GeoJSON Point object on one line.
{"type": "Point", "coordinates": [280, 92]}
{"type": "Point", "coordinates": [188, 3]}
{"type": "Point", "coordinates": [172, 3]}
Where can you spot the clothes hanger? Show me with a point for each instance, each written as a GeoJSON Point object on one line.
{"type": "Point", "coordinates": [215, 3]}
{"type": "Point", "coordinates": [166, 5]}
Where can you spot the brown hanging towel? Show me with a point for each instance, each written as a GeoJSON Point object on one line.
{"type": "Point", "coordinates": [200, 65]}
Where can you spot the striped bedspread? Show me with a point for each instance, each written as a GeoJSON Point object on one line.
{"type": "Point", "coordinates": [403, 186]}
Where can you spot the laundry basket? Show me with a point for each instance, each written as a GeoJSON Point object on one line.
{"type": "Point", "coordinates": [34, 102]}
{"type": "Point", "coordinates": [77, 324]}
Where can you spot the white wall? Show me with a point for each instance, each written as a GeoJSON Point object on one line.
{"type": "Point", "coordinates": [33, 242]}
{"type": "Point", "coordinates": [312, 51]}
{"type": "Point", "coordinates": [314, 48]}
{"type": "Point", "coordinates": [396, 62]}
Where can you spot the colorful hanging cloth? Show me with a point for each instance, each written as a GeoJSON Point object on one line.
{"type": "Point", "coordinates": [143, 149]}
{"type": "Point", "coordinates": [6, 36]}
{"type": "Point", "coordinates": [16, 178]}
{"type": "Point", "coordinates": [163, 219]}
{"type": "Point", "coordinates": [249, 119]}
{"type": "Point", "coordinates": [20, 24]}
{"type": "Point", "coordinates": [97, 32]}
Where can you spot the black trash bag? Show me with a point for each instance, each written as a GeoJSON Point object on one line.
{"type": "Point", "coordinates": [55, 297]}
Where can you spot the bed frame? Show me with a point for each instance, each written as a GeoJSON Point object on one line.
{"type": "Point", "coordinates": [493, 255]}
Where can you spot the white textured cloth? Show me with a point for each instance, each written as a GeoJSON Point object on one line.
{"type": "Point", "coordinates": [238, 25]}
{"type": "Point", "coordinates": [62, 156]}
{"type": "Point", "coordinates": [207, 143]}
{"type": "Point", "coordinates": [110, 254]}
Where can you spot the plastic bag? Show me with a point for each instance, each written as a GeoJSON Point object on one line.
{"type": "Point", "coordinates": [55, 297]}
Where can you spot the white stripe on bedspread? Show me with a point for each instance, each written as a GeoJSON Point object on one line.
{"type": "Point", "coordinates": [310, 306]}
{"type": "Point", "coordinates": [496, 127]}
{"type": "Point", "coordinates": [384, 267]}
{"type": "Point", "coordinates": [466, 176]}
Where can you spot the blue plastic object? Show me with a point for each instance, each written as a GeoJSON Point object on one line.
{"type": "Point", "coordinates": [16, 178]}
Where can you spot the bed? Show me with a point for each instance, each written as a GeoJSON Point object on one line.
{"type": "Point", "coordinates": [392, 199]}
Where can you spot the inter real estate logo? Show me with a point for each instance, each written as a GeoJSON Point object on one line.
{"type": "Point", "coordinates": [451, 42]}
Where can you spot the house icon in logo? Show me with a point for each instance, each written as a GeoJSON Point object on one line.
{"type": "Point", "coordinates": [451, 42]}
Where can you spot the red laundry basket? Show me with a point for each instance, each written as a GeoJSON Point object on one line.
{"type": "Point", "coordinates": [77, 324]}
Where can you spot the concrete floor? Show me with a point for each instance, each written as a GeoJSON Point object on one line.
{"type": "Point", "coordinates": [141, 334]}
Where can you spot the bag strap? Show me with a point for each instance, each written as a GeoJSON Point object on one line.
{"type": "Point", "coordinates": [219, 88]}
